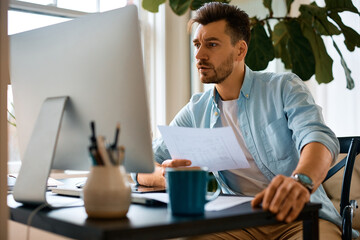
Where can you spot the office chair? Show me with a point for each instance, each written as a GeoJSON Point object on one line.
{"type": "Point", "coordinates": [351, 146]}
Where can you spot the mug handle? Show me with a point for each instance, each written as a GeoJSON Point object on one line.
{"type": "Point", "coordinates": [216, 194]}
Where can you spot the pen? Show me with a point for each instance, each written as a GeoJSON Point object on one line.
{"type": "Point", "coordinates": [117, 132]}
{"type": "Point", "coordinates": [110, 153]}
{"type": "Point", "coordinates": [93, 134]}
{"type": "Point", "coordinates": [95, 156]}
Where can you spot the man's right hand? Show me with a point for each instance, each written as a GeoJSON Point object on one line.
{"type": "Point", "coordinates": [157, 178]}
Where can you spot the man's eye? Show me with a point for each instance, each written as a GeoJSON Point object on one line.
{"type": "Point", "coordinates": [197, 45]}
{"type": "Point", "coordinates": [212, 44]}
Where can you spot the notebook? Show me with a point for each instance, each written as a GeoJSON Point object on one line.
{"type": "Point", "coordinates": [137, 196]}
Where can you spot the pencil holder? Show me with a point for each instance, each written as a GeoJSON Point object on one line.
{"type": "Point", "coordinates": [107, 194]}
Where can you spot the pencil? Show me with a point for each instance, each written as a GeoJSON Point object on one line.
{"type": "Point", "coordinates": [95, 156]}
{"type": "Point", "coordinates": [102, 150]}
{"type": "Point", "coordinates": [93, 133]}
{"type": "Point", "coordinates": [121, 155]}
{"type": "Point", "coordinates": [117, 132]}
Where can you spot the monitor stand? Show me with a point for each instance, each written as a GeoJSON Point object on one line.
{"type": "Point", "coordinates": [31, 183]}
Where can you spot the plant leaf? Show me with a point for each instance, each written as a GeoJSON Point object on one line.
{"type": "Point", "coordinates": [180, 6]}
{"type": "Point", "coordinates": [324, 27]}
{"type": "Point", "coordinates": [339, 6]}
{"type": "Point", "coordinates": [349, 80]}
{"type": "Point", "coordinates": [196, 4]}
{"type": "Point", "coordinates": [261, 50]}
{"type": "Point", "coordinates": [11, 117]}
{"type": "Point", "coordinates": [267, 4]}
{"type": "Point", "coordinates": [12, 123]}
{"type": "Point", "coordinates": [301, 55]}
{"type": "Point", "coordinates": [288, 5]}
{"type": "Point", "coordinates": [352, 38]}
{"type": "Point", "coordinates": [316, 16]}
{"type": "Point", "coordinates": [152, 5]}
{"type": "Point", "coordinates": [293, 49]}
{"type": "Point", "coordinates": [280, 39]}
{"type": "Point", "coordinates": [323, 62]}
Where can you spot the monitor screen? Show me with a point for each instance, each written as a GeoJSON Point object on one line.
{"type": "Point", "coordinates": [96, 61]}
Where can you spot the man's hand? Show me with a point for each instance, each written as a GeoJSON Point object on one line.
{"type": "Point", "coordinates": [157, 178]}
{"type": "Point", "coordinates": [174, 163]}
{"type": "Point", "coordinates": [284, 197]}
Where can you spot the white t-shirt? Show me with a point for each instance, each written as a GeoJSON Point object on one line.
{"type": "Point", "coordinates": [246, 181]}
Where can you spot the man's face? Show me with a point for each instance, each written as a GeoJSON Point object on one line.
{"type": "Point", "coordinates": [213, 52]}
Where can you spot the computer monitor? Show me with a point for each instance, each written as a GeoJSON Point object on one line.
{"type": "Point", "coordinates": [96, 61]}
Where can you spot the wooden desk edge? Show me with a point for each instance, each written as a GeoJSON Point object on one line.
{"type": "Point", "coordinates": [309, 216]}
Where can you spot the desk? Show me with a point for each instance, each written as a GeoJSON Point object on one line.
{"type": "Point", "coordinates": [144, 222]}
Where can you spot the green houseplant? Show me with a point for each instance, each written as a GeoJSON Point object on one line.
{"type": "Point", "coordinates": [297, 41]}
{"type": "Point", "coordinates": [11, 117]}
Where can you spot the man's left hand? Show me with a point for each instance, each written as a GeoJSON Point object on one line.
{"type": "Point", "coordinates": [284, 197]}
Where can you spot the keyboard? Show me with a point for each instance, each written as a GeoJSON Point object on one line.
{"type": "Point", "coordinates": [76, 191]}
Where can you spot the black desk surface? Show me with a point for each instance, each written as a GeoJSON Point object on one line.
{"type": "Point", "coordinates": [143, 222]}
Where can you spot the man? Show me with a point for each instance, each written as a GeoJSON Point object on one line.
{"type": "Point", "coordinates": [276, 122]}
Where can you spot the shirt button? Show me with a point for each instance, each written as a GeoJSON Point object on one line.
{"type": "Point", "coordinates": [247, 95]}
{"type": "Point", "coordinates": [216, 113]}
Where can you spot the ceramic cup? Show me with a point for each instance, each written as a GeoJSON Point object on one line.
{"type": "Point", "coordinates": [187, 189]}
{"type": "Point", "coordinates": [107, 194]}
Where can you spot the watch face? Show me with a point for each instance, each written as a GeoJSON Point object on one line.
{"type": "Point", "coordinates": [305, 179]}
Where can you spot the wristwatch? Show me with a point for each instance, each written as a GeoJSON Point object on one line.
{"type": "Point", "coordinates": [304, 180]}
{"type": "Point", "coordinates": [134, 178]}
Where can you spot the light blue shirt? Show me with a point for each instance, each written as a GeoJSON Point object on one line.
{"type": "Point", "coordinates": [277, 117]}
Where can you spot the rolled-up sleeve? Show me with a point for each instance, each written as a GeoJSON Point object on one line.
{"type": "Point", "coordinates": [305, 118]}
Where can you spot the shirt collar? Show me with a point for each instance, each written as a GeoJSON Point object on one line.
{"type": "Point", "coordinates": [248, 80]}
{"type": "Point", "coordinates": [245, 89]}
{"type": "Point", "coordinates": [215, 96]}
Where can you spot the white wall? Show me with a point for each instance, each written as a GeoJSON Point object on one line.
{"type": "Point", "coordinates": [167, 67]}
{"type": "Point", "coordinates": [177, 68]}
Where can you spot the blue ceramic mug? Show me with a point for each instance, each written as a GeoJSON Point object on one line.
{"type": "Point", "coordinates": [187, 189]}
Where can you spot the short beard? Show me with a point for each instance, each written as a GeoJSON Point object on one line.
{"type": "Point", "coordinates": [220, 73]}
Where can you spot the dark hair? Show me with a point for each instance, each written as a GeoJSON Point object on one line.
{"type": "Point", "coordinates": [238, 23]}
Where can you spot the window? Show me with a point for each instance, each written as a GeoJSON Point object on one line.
{"type": "Point", "coordinates": [31, 14]}
{"type": "Point", "coordinates": [24, 21]}
{"type": "Point", "coordinates": [60, 6]}
{"type": "Point", "coordinates": [21, 18]}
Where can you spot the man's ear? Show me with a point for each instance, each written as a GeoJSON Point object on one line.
{"type": "Point", "coordinates": [241, 48]}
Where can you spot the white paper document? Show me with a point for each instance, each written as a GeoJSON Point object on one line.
{"type": "Point", "coordinates": [220, 203]}
{"type": "Point", "coordinates": [224, 202]}
{"type": "Point", "coordinates": [214, 148]}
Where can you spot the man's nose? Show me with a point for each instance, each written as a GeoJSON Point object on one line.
{"type": "Point", "coordinates": [201, 54]}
